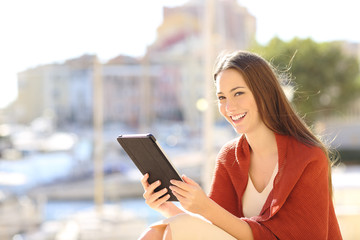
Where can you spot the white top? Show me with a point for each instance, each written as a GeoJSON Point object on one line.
{"type": "Point", "coordinates": [253, 201]}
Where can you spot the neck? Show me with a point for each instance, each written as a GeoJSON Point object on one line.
{"type": "Point", "coordinates": [262, 142]}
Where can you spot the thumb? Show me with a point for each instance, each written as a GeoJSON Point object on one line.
{"type": "Point", "coordinates": [188, 180]}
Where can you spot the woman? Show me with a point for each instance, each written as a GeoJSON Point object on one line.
{"type": "Point", "coordinates": [273, 182]}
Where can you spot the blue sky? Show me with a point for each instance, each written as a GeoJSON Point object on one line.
{"type": "Point", "coordinates": [37, 32]}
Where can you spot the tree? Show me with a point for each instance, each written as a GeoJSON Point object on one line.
{"type": "Point", "coordinates": [325, 78]}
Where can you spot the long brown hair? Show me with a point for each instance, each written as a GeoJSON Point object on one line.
{"type": "Point", "coordinates": [274, 108]}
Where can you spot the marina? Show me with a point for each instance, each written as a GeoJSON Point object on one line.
{"type": "Point", "coordinates": [50, 194]}
{"type": "Point", "coordinates": [66, 210]}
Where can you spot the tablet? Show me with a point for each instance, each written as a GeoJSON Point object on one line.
{"type": "Point", "coordinates": [148, 156]}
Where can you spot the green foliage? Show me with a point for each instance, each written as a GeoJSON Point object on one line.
{"type": "Point", "coordinates": [325, 78]}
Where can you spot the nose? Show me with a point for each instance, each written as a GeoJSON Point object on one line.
{"type": "Point", "coordinates": [230, 106]}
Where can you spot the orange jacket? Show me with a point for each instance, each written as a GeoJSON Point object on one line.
{"type": "Point", "coordinates": [298, 207]}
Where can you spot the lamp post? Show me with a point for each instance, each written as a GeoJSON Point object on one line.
{"type": "Point", "coordinates": [98, 136]}
{"type": "Point", "coordinates": [208, 138]}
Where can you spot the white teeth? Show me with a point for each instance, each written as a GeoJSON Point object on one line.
{"type": "Point", "coordinates": [237, 117]}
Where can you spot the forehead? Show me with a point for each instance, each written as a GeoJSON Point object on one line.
{"type": "Point", "coordinates": [228, 79]}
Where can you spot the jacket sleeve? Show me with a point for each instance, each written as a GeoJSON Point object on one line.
{"type": "Point", "coordinates": [260, 231]}
{"type": "Point", "coordinates": [222, 190]}
{"type": "Point", "coordinates": [304, 211]}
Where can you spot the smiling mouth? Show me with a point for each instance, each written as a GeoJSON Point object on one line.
{"type": "Point", "coordinates": [238, 117]}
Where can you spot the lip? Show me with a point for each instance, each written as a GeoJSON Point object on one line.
{"type": "Point", "coordinates": [236, 118]}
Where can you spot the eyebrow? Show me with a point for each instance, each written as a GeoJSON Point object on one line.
{"type": "Point", "coordinates": [235, 88]}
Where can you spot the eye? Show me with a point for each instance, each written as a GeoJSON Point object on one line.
{"type": "Point", "coordinates": [238, 93]}
{"type": "Point", "coordinates": [221, 98]}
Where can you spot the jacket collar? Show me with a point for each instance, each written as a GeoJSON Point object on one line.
{"type": "Point", "coordinates": [242, 153]}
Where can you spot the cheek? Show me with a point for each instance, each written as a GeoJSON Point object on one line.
{"type": "Point", "coordinates": [221, 110]}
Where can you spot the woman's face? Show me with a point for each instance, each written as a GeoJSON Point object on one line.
{"type": "Point", "coordinates": [236, 102]}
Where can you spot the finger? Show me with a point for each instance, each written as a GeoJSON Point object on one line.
{"type": "Point", "coordinates": [156, 195]}
{"type": "Point", "coordinates": [189, 180]}
{"type": "Point", "coordinates": [144, 181]}
{"type": "Point", "coordinates": [150, 189]}
{"type": "Point", "coordinates": [181, 185]}
{"type": "Point", "coordinates": [154, 185]}
{"type": "Point", "coordinates": [179, 191]}
{"type": "Point", "coordinates": [179, 197]}
{"type": "Point", "coordinates": [161, 200]}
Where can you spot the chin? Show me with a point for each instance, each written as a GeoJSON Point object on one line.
{"type": "Point", "coordinates": [239, 131]}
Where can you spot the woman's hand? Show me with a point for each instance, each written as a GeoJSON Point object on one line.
{"type": "Point", "coordinates": [157, 200]}
{"type": "Point", "coordinates": [190, 195]}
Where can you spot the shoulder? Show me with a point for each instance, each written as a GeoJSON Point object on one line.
{"type": "Point", "coordinates": [298, 148]}
{"type": "Point", "coordinates": [228, 151]}
{"type": "Point", "coordinates": [304, 154]}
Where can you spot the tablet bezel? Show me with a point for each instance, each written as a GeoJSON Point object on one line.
{"type": "Point", "coordinates": [148, 156]}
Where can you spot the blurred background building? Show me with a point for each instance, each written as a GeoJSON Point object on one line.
{"type": "Point", "coordinates": [168, 79]}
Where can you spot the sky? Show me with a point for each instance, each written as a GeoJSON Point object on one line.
{"type": "Point", "coordinates": [35, 32]}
